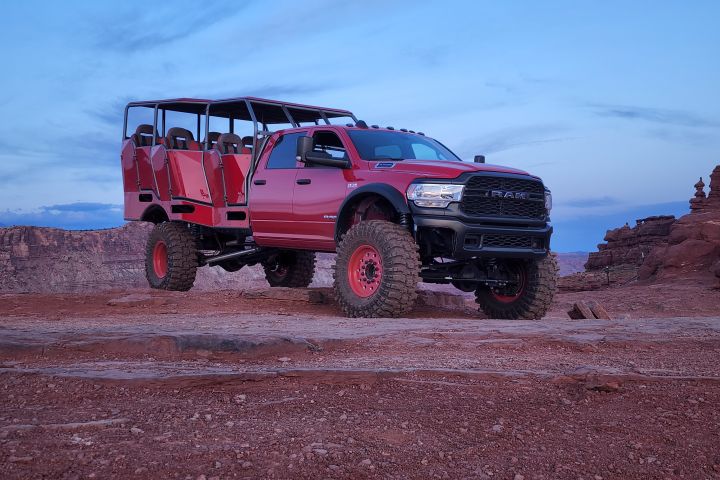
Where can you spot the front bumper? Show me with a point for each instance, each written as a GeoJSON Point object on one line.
{"type": "Point", "coordinates": [473, 240]}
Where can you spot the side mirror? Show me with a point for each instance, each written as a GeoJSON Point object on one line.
{"type": "Point", "coordinates": [306, 155]}
{"type": "Point", "coordinates": [304, 146]}
{"type": "Point", "coordinates": [479, 158]}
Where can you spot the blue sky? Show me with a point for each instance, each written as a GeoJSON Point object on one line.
{"type": "Point", "coordinates": [615, 104]}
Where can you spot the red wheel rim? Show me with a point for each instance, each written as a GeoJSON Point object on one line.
{"type": "Point", "coordinates": [160, 263]}
{"type": "Point", "coordinates": [365, 271]}
{"type": "Point", "coordinates": [522, 282]}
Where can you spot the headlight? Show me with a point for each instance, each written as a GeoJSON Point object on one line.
{"type": "Point", "coordinates": [548, 200]}
{"type": "Point", "coordinates": [436, 195]}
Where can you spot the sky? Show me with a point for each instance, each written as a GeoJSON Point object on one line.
{"type": "Point", "coordinates": [616, 105]}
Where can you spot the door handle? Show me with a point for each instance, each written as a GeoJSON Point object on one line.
{"type": "Point", "coordinates": [303, 181]}
{"type": "Point", "coordinates": [259, 182]}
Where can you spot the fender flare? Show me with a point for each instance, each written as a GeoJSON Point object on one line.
{"type": "Point", "coordinates": [389, 193]}
{"type": "Point", "coordinates": [153, 213]}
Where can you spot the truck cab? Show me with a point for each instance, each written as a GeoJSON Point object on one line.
{"type": "Point", "coordinates": [327, 182]}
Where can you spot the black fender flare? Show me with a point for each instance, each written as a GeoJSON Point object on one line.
{"type": "Point", "coordinates": [154, 213]}
{"type": "Point", "coordinates": [389, 193]}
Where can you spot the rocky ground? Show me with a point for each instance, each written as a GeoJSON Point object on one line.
{"type": "Point", "coordinates": [275, 384]}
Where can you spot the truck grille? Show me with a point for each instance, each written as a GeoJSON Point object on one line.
{"type": "Point", "coordinates": [478, 197]}
{"type": "Point", "coordinates": [494, 240]}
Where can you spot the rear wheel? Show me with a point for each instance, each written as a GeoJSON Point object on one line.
{"type": "Point", "coordinates": [290, 268]}
{"type": "Point", "coordinates": [170, 257]}
{"type": "Point", "coordinates": [376, 270]}
{"type": "Point", "coordinates": [528, 296]}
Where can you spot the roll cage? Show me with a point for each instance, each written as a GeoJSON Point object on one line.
{"type": "Point", "coordinates": [261, 112]}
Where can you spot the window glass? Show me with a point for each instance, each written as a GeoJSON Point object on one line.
{"type": "Point", "coordinates": [329, 144]}
{"type": "Point", "coordinates": [284, 152]}
{"type": "Point", "coordinates": [383, 145]}
{"type": "Point", "coordinates": [387, 151]}
{"type": "Point", "coordinates": [420, 150]}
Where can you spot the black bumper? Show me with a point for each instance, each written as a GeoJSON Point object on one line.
{"type": "Point", "coordinates": [491, 241]}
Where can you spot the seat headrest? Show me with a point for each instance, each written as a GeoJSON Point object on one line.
{"type": "Point", "coordinates": [247, 141]}
{"type": "Point", "coordinates": [143, 135]}
{"type": "Point", "coordinates": [213, 137]}
{"type": "Point", "coordinates": [179, 138]}
{"type": "Point", "coordinates": [229, 143]}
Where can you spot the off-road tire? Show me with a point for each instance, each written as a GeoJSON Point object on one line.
{"type": "Point", "coordinates": [299, 269]}
{"type": "Point", "coordinates": [181, 260]}
{"type": "Point", "coordinates": [396, 289]}
{"type": "Point", "coordinates": [535, 299]}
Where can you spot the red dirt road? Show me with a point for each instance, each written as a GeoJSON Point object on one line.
{"type": "Point", "coordinates": [211, 385]}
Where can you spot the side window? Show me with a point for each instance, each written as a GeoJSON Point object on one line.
{"type": "Point", "coordinates": [284, 152]}
{"type": "Point", "coordinates": [423, 152]}
{"type": "Point", "coordinates": [329, 144]}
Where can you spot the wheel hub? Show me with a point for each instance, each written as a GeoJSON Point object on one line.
{"type": "Point", "coordinates": [160, 261]}
{"type": "Point", "coordinates": [365, 271]}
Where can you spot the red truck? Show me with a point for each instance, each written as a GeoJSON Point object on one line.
{"type": "Point", "coordinates": [274, 182]}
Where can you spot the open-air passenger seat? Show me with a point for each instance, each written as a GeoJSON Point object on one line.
{"type": "Point", "coordinates": [236, 161]}
{"type": "Point", "coordinates": [180, 139]}
{"type": "Point", "coordinates": [143, 136]}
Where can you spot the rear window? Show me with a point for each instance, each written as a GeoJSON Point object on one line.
{"type": "Point", "coordinates": [383, 145]}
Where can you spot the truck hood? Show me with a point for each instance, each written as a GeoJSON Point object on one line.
{"type": "Point", "coordinates": [441, 169]}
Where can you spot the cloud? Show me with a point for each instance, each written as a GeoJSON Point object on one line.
{"type": "Point", "coordinates": [654, 115]}
{"type": "Point", "coordinates": [72, 216]}
{"type": "Point", "coordinates": [143, 29]}
{"type": "Point", "coordinates": [511, 138]}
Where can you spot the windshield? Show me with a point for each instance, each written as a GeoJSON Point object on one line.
{"type": "Point", "coordinates": [383, 145]}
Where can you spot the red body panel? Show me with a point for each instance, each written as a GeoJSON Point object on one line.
{"type": "Point", "coordinates": [281, 211]}
{"type": "Point", "coordinates": [187, 175]}
{"type": "Point", "coordinates": [237, 168]}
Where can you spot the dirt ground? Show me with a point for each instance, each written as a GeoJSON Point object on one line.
{"type": "Point", "coordinates": [221, 385]}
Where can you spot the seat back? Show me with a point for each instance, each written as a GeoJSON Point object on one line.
{"type": "Point", "coordinates": [230, 143]}
{"type": "Point", "coordinates": [143, 136]}
{"type": "Point", "coordinates": [213, 138]}
{"type": "Point", "coordinates": [180, 139]}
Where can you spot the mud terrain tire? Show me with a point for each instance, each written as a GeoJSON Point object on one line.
{"type": "Point", "coordinates": [171, 257]}
{"type": "Point", "coordinates": [294, 269]}
{"type": "Point", "coordinates": [532, 301]}
{"type": "Point", "coordinates": [377, 270]}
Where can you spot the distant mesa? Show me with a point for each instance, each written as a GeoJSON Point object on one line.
{"type": "Point", "coordinates": [660, 248]}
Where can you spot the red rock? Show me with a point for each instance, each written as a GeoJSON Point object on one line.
{"type": "Point", "coordinates": [581, 311]}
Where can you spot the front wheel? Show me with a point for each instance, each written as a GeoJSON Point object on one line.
{"type": "Point", "coordinates": [171, 257]}
{"type": "Point", "coordinates": [376, 270]}
{"type": "Point", "coordinates": [529, 294]}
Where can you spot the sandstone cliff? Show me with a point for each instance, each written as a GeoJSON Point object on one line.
{"type": "Point", "coordinates": [660, 248]}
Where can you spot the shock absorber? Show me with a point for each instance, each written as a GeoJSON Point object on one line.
{"type": "Point", "coordinates": [405, 220]}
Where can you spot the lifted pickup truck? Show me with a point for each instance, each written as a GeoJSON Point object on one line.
{"type": "Point", "coordinates": [283, 181]}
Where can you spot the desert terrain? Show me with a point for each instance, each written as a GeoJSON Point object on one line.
{"type": "Point", "coordinates": [103, 378]}
{"type": "Point", "coordinates": [246, 384]}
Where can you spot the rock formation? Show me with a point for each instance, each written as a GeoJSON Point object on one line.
{"type": "Point", "coordinates": [660, 248]}
{"type": "Point", "coordinates": [630, 246]}
{"type": "Point", "coordinates": [50, 260]}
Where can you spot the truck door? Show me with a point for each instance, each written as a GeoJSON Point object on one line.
{"type": "Point", "coordinates": [319, 192]}
{"type": "Point", "coordinates": [271, 193]}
